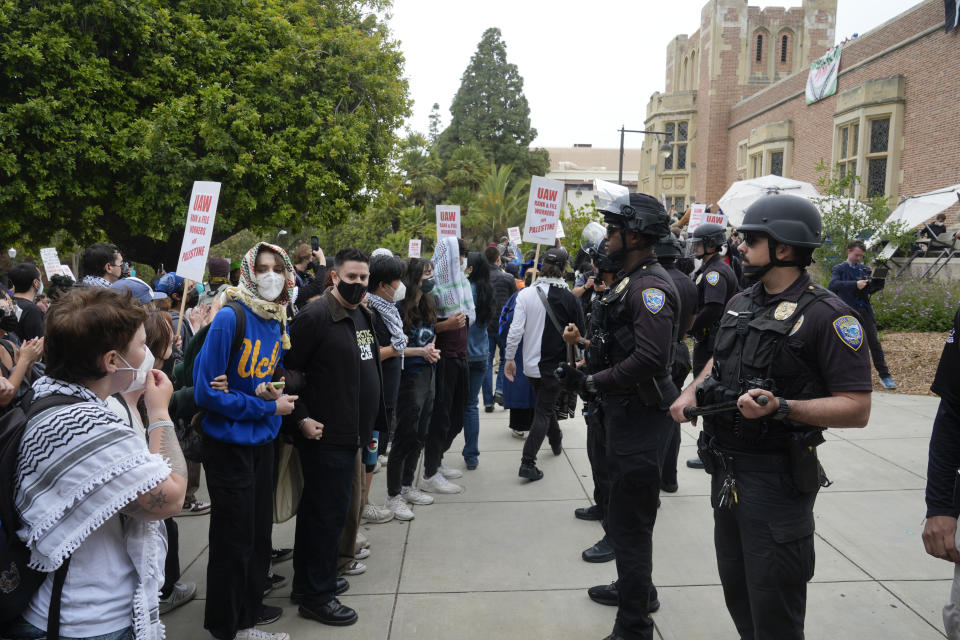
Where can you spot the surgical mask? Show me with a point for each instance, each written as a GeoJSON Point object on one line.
{"type": "Point", "coordinates": [270, 285]}
{"type": "Point", "coordinates": [426, 286]}
{"type": "Point", "coordinates": [351, 292]}
{"type": "Point", "coordinates": [39, 288]}
{"type": "Point", "coordinates": [400, 293]}
{"type": "Point", "coordinates": [140, 373]}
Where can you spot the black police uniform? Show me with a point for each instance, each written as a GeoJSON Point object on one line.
{"type": "Point", "coordinates": [637, 331]}
{"type": "Point", "coordinates": [801, 343]}
{"type": "Point", "coordinates": [716, 283]}
{"type": "Point", "coordinates": [593, 416]}
{"type": "Point", "coordinates": [680, 368]}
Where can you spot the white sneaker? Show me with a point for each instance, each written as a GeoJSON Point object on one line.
{"type": "Point", "coordinates": [438, 484]}
{"type": "Point", "coordinates": [399, 507]}
{"type": "Point", "coordinates": [377, 468]}
{"type": "Point", "coordinates": [450, 473]}
{"type": "Point", "coordinates": [375, 515]}
{"type": "Point", "coordinates": [414, 496]}
{"type": "Point", "coordinates": [518, 434]}
{"type": "Point", "coordinates": [362, 554]}
{"type": "Point", "coordinates": [362, 542]}
{"type": "Point", "coordinates": [356, 567]}
{"type": "Point", "coordinates": [256, 634]}
{"type": "Point", "coordinates": [383, 460]}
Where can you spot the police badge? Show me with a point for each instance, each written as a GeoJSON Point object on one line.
{"type": "Point", "coordinates": [713, 278]}
{"type": "Point", "coordinates": [849, 331]}
{"type": "Point", "coordinates": [784, 310]}
{"type": "Point", "coordinates": [653, 300]}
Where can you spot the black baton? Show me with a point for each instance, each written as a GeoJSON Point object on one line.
{"type": "Point", "coordinates": [723, 407]}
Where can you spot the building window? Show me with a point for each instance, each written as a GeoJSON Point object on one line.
{"type": "Point", "coordinates": [783, 48]}
{"type": "Point", "coordinates": [877, 157]}
{"type": "Point", "coordinates": [756, 165]}
{"type": "Point", "coordinates": [668, 161]}
{"type": "Point", "coordinates": [849, 143]}
{"type": "Point", "coordinates": [742, 156]}
{"type": "Point", "coordinates": [759, 48]}
{"type": "Point", "coordinates": [677, 133]}
{"type": "Point", "coordinates": [776, 163]}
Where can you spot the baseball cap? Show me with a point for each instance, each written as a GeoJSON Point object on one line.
{"type": "Point", "coordinates": [169, 283]}
{"type": "Point", "coordinates": [139, 289]}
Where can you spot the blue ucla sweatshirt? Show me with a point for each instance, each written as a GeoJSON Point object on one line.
{"type": "Point", "coordinates": [238, 416]}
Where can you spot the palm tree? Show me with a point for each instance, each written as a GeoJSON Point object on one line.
{"type": "Point", "coordinates": [498, 203]}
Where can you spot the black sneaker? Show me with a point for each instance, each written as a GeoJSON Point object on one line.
{"type": "Point", "coordinates": [269, 614]}
{"type": "Point", "coordinates": [529, 471]}
{"type": "Point", "coordinates": [342, 587]}
{"type": "Point", "coordinates": [274, 581]}
{"type": "Point", "coordinates": [588, 513]}
{"type": "Point", "coordinates": [280, 555]}
{"type": "Point", "coordinates": [333, 613]}
{"type": "Point", "coordinates": [498, 398]}
{"type": "Point", "coordinates": [488, 408]}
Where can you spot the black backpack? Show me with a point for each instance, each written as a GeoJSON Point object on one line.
{"type": "Point", "coordinates": [18, 582]}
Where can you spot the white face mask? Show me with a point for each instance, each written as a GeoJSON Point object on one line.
{"type": "Point", "coordinates": [400, 293]}
{"type": "Point", "coordinates": [39, 288]}
{"type": "Point", "coordinates": [140, 373]}
{"type": "Point", "coordinates": [463, 264]}
{"type": "Point", "coordinates": [270, 285]}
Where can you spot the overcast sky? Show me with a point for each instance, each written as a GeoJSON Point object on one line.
{"type": "Point", "coordinates": [588, 67]}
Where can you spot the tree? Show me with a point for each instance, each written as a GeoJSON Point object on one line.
{"type": "Point", "coordinates": [490, 111]}
{"type": "Point", "coordinates": [498, 204]}
{"type": "Point", "coordinates": [109, 111]}
{"type": "Point", "coordinates": [434, 131]}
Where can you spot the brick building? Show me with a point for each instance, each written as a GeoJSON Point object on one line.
{"type": "Point", "coordinates": [734, 104]}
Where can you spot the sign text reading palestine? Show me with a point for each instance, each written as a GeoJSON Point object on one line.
{"type": "Point", "coordinates": [197, 225]}
{"type": "Point", "coordinates": [545, 205]}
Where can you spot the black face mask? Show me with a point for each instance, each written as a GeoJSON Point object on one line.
{"type": "Point", "coordinates": [426, 286]}
{"type": "Point", "coordinates": [352, 293]}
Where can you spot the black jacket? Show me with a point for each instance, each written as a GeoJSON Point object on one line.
{"type": "Point", "coordinates": [324, 348]}
{"type": "Point", "coordinates": [504, 286]}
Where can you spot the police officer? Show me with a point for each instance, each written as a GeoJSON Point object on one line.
{"type": "Point", "coordinates": [790, 360]}
{"type": "Point", "coordinates": [637, 331]}
{"type": "Point", "coordinates": [669, 249]}
{"type": "Point", "coordinates": [716, 284]}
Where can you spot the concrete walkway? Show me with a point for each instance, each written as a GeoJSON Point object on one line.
{"type": "Point", "coordinates": [502, 559]}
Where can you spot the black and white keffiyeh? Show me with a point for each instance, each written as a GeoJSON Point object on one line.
{"type": "Point", "coordinates": [95, 281]}
{"type": "Point", "coordinates": [78, 465]}
{"type": "Point", "coordinates": [391, 317]}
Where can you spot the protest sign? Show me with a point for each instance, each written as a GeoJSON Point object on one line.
{"type": "Point", "coordinates": [560, 233]}
{"type": "Point", "coordinates": [448, 220]}
{"type": "Point", "coordinates": [413, 249]}
{"type": "Point", "coordinates": [51, 262]}
{"type": "Point", "coordinates": [514, 234]}
{"type": "Point", "coordinates": [65, 270]}
{"type": "Point", "coordinates": [697, 213]}
{"type": "Point", "coordinates": [198, 231]}
{"type": "Point", "coordinates": [543, 210]}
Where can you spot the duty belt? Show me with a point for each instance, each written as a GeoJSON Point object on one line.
{"type": "Point", "coordinates": [733, 461]}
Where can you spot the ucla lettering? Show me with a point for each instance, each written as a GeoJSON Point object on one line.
{"type": "Point", "coordinates": [250, 354]}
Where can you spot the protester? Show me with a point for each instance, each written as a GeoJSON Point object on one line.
{"type": "Point", "coordinates": [239, 430]}
{"type": "Point", "coordinates": [455, 311]}
{"type": "Point", "coordinates": [70, 498]}
{"type": "Point", "coordinates": [936, 228]}
{"type": "Point", "coordinates": [219, 269]}
{"type": "Point", "coordinates": [27, 285]}
{"type": "Point", "coordinates": [101, 265]}
{"type": "Point", "coordinates": [418, 313]}
{"type": "Point", "coordinates": [333, 347]}
{"type": "Point", "coordinates": [504, 285]}
{"type": "Point", "coordinates": [59, 284]}
{"type": "Point", "coordinates": [477, 353]}
{"type": "Point", "coordinates": [16, 364]}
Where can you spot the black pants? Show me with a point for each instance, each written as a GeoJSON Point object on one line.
{"type": "Point", "coordinates": [765, 554]}
{"type": "Point", "coordinates": [327, 488]}
{"type": "Point", "coordinates": [171, 567]}
{"type": "Point", "coordinates": [414, 410]}
{"type": "Point", "coordinates": [453, 381]}
{"type": "Point", "coordinates": [240, 480]}
{"type": "Point", "coordinates": [546, 390]}
{"type": "Point", "coordinates": [597, 454]}
{"type": "Point", "coordinates": [635, 444]}
{"type": "Point", "coordinates": [876, 351]}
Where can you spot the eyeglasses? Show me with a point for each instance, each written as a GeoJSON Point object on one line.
{"type": "Point", "coordinates": [751, 238]}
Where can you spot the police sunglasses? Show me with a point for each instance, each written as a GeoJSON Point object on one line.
{"type": "Point", "coordinates": [751, 238]}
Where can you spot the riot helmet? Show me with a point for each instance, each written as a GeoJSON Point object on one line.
{"type": "Point", "coordinates": [782, 219]}
{"type": "Point", "coordinates": [711, 234]}
{"type": "Point", "coordinates": [669, 248]}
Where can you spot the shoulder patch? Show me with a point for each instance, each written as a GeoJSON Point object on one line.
{"type": "Point", "coordinates": [653, 300]}
{"type": "Point", "coordinates": [713, 278]}
{"type": "Point", "coordinates": [849, 331]}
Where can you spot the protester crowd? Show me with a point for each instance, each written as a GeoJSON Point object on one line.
{"type": "Point", "coordinates": [127, 392]}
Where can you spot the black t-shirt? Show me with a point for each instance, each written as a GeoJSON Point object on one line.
{"type": "Point", "coordinates": [368, 377]}
{"type": "Point", "coordinates": [716, 282]}
{"type": "Point", "coordinates": [30, 324]}
{"type": "Point", "coordinates": [390, 367]}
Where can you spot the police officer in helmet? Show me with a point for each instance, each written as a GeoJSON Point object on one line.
{"type": "Point", "coordinates": [636, 334]}
{"type": "Point", "coordinates": [789, 361]}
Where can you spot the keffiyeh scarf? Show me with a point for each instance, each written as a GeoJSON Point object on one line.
{"type": "Point", "coordinates": [95, 281]}
{"type": "Point", "coordinates": [248, 292]}
{"type": "Point", "coordinates": [391, 317]}
{"type": "Point", "coordinates": [452, 289]}
{"type": "Point", "coordinates": [78, 465]}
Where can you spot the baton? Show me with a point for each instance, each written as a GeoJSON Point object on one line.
{"type": "Point", "coordinates": [723, 407]}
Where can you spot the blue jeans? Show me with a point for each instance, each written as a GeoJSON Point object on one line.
{"type": "Point", "coordinates": [23, 630]}
{"type": "Point", "coordinates": [488, 387]}
{"type": "Point", "coordinates": [471, 413]}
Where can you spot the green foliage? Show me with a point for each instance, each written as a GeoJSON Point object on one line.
{"type": "Point", "coordinates": [845, 219]}
{"type": "Point", "coordinates": [490, 111]}
{"type": "Point", "coordinates": [109, 111]}
{"type": "Point", "coordinates": [499, 204]}
{"type": "Point", "coordinates": [916, 304]}
{"type": "Point", "coordinates": [574, 221]}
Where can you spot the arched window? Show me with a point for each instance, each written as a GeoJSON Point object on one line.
{"type": "Point", "coordinates": [784, 41]}
{"type": "Point", "coordinates": [759, 47]}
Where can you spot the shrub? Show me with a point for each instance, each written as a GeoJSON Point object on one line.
{"type": "Point", "coordinates": [916, 304]}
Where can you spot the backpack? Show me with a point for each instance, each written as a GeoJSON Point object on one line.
{"type": "Point", "coordinates": [18, 582]}
{"type": "Point", "coordinates": [506, 319]}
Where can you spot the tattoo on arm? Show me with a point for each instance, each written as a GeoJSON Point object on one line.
{"type": "Point", "coordinates": [155, 499]}
{"type": "Point", "coordinates": [168, 446]}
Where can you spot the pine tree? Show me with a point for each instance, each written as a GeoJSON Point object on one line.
{"type": "Point", "coordinates": [490, 111]}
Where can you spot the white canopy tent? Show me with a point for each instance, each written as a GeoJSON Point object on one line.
{"type": "Point", "coordinates": [915, 210]}
{"type": "Point", "coordinates": [743, 193]}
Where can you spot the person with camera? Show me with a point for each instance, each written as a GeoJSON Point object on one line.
{"type": "Point", "coordinates": [638, 325]}
{"type": "Point", "coordinates": [851, 281]}
{"type": "Point", "coordinates": [789, 362]}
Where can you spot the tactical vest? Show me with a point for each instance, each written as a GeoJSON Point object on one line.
{"type": "Point", "coordinates": [752, 351]}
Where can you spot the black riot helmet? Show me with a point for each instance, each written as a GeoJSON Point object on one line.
{"type": "Point", "coordinates": [644, 215]}
{"type": "Point", "coordinates": [787, 219]}
{"type": "Point", "coordinates": [602, 261]}
{"type": "Point", "coordinates": [669, 248]}
{"type": "Point", "coordinates": [711, 234]}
